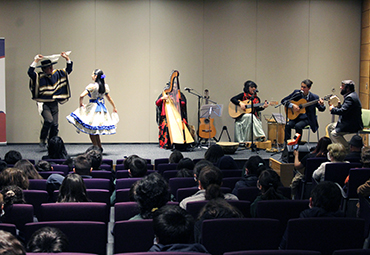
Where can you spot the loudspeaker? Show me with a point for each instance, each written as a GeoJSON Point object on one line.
{"type": "Point", "coordinates": [288, 157]}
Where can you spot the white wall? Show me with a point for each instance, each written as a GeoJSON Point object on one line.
{"type": "Point", "coordinates": [216, 45]}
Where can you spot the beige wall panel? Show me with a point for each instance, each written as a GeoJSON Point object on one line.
{"type": "Point", "coordinates": [364, 68]}
{"type": "Point", "coordinates": [365, 5]}
{"type": "Point", "coordinates": [364, 85]}
{"type": "Point", "coordinates": [365, 52]}
{"type": "Point", "coordinates": [365, 19]}
{"type": "Point", "coordinates": [365, 35]}
{"type": "Point", "coordinates": [229, 53]}
{"type": "Point", "coordinates": [364, 98]}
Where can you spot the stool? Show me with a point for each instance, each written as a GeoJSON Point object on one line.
{"type": "Point", "coordinates": [309, 131]}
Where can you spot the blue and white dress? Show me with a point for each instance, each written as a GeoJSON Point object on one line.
{"type": "Point", "coordinates": [94, 118]}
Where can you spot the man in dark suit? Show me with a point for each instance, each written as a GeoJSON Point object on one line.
{"type": "Point", "coordinates": [303, 119]}
{"type": "Point", "coordinates": [350, 120]}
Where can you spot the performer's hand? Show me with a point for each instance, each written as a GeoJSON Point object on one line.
{"type": "Point", "coordinates": [38, 57]}
{"type": "Point", "coordinates": [331, 107]}
{"type": "Point", "coordinates": [296, 108]}
{"type": "Point", "coordinates": [321, 101]}
{"type": "Point", "coordinates": [265, 105]}
{"type": "Point", "coordinates": [115, 110]}
{"type": "Point", "coordinates": [65, 56]}
{"type": "Point", "coordinates": [242, 105]}
{"type": "Point", "coordinates": [82, 105]}
{"type": "Point", "coordinates": [295, 153]}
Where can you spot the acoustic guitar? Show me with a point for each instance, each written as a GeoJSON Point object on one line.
{"type": "Point", "coordinates": [207, 129]}
{"type": "Point", "coordinates": [302, 104]}
{"type": "Point", "coordinates": [235, 110]}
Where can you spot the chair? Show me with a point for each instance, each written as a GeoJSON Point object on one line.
{"type": "Point", "coordinates": [194, 207]}
{"type": "Point", "coordinates": [231, 173]}
{"type": "Point", "coordinates": [103, 174]}
{"type": "Point", "coordinates": [306, 183]}
{"type": "Point", "coordinates": [248, 193]}
{"type": "Point", "coordinates": [352, 252]}
{"type": "Point", "coordinates": [366, 121]}
{"type": "Point", "coordinates": [168, 174]}
{"type": "Point", "coordinates": [164, 167]}
{"type": "Point", "coordinates": [61, 168]}
{"type": "Point", "coordinates": [99, 195]}
{"type": "Point", "coordinates": [37, 184]}
{"type": "Point", "coordinates": [36, 198]}
{"type": "Point", "coordinates": [357, 177]}
{"type": "Point", "coordinates": [325, 234]}
{"type": "Point", "coordinates": [282, 210]}
{"type": "Point", "coordinates": [122, 195]}
{"type": "Point", "coordinates": [364, 213]}
{"type": "Point", "coordinates": [107, 161]}
{"type": "Point", "coordinates": [105, 167]}
{"type": "Point", "coordinates": [133, 236]}
{"type": "Point", "coordinates": [180, 182]}
{"type": "Point", "coordinates": [196, 160]}
{"type": "Point", "coordinates": [338, 172]}
{"type": "Point", "coordinates": [120, 161]}
{"type": "Point", "coordinates": [58, 161]}
{"type": "Point", "coordinates": [83, 236]}
{"type": "Point", "coordinates": [187, 192]}
{"type": "Point", "coordinates": [273, 252]}
{"type": "Point", "coordinates": [230, 182]}
{"type": "Point", "coordinates": [46, 174]}
{"type": "Point", "coordinates": [122, 173]}
{"type": "Point", "coordinates": [126, 183]}
{"type": "Point", "coordinates": [19, 214]}
{"type": "Point", "coordinates": [72, 211]}
{"type": "Point", "coordinates": [11, 228]}
{"type": "Point", "coordinates": [225, 235]}
{"type": "Point", "coordinates": [160, 161]}
{"type": "Point", "coordinates": [125, 210]}
{"type": "Point", "coordinates": [98, 183]}
{"type": "Point", "coordinates": [61, 253]}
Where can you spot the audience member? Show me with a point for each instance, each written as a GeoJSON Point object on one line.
{"type": "Point", "coordinates": [12, 195]}
{"type": "Point", "coordinates": [28, 168]}
{"type": "Point", "coordinates": [137, 167]}
{"type": "Point", "coordinates": [95, 155]}
{"type": "Point", "coordinates": [184, 173]}
{"type": "Point", "coordinates": [268, 183]}
{"type": "Point", "coordinates": [10, 245]}
{"type": "Point", "coordinates": [199, 166]}
{"type": "Point", "coordinates": [12, 156]}
{"type": "Point", "coordinates": [73, 189]}
{"type": "Point", "coordinates": [253, 167]}
{"type": "Point", "coordinates": [43, 166]}
{"type": "Point", "coordinates": [56, 149]}
{"type": "Point", "coordinates": [128, 160]}
{"type": "Point", "coordinates": [336, 154]}
{"type": "Point", "coordinates": [151, 193]}
{"type": "Point", "coordinates": [3, 165]}
{"type": "Point", "coordinates": [48, 240]}
{"type": "Point", "coordinates": [214, 153]}
{"type": "Point", "coordinates": [355, 146]}
{"type": "Point", "coordinates": [209, 184]}
{"type": "Point", "coordinates": [214, 209]}
{"type": "Point", "coordinates": [226, 162]}
{"type": "Point", "coordinates": [175, 157]}
{"type": "Point", "coordinates": [174, 231]}
{"type": "Point", "coordinates": [185, 163]}
{"type": "Point", "coordinates": [13, 176]}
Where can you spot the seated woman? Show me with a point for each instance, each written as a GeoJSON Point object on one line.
{"type": "Point", "coordinates": [28, 168]}
{"type": "Point", "coordinates": [268, 183]}
{"type": "Point", "coordinates": [73, 189]}
{"type": "Point", "coordinates": [13, 176]}
{"type": "Point", "coordinates": [336, 154]}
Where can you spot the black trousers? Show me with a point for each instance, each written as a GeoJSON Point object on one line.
{"type": "Point", "coordinates": [297, 124]}
{"type": "Point", "coordinates": [50, 112]}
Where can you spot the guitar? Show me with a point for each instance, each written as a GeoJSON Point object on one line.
{"type": "Point", "coordinates": [207, 129]}
{"type": "Point", "coordinates": [302, 104]}
{"type": "Point", "coordinates": [334, 100]}
{"type": "Point", "coordinates": [235, 110]}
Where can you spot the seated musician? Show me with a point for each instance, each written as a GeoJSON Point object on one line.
{"type": "Point", "coordinates": [300, 121]}
{"type": "Point", "coordinates": [243, 129]}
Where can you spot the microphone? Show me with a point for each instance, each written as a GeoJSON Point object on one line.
{"type": "Point", "coordinates": [302, 91]}
{"type": "Point", "coordinates": [188, 89]}
{"type": "Point", "coordinates": [256, 91]}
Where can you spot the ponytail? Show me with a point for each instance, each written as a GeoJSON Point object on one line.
{"type": "Point", "coordinates": [100, 76]}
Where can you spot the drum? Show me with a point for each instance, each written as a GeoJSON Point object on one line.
{"type": "Point", "coordinates": [272, 127]}
{"type": "Point", "coordinates": [229, 147]}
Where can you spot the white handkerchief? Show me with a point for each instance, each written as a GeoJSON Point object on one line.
{"type": "Point", "coordinates": [55, 57]}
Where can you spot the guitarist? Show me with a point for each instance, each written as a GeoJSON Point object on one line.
{"type": "Point", "coordinates": [243, 123]}
{"type": "Point", "coordinates": [308, 118]}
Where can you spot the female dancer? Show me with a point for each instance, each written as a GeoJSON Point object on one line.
{"type": "Point", "coordinates": [94, 118]}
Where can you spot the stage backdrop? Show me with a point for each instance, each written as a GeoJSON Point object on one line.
{"type": "Point", "coordinates": [2, 92]}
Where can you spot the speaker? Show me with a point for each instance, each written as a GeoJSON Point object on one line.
{"type": "Point", "coordinates": [288, 157]}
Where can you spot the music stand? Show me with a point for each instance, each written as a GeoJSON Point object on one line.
{"type": "Point", "coordinates": [210, 111]}
{"type": "Point", "coordinates": [279, 118]}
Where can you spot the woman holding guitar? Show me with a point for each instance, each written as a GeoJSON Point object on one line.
{"type": "Point", "coordinates": [300, 117]}
{"type": "Point", "coordinates": [243, 129]}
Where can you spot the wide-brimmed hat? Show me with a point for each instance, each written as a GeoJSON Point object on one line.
{"type": "Point", "coordinates": [356, 141]}
{"type": "Point", "coordinates": [46, 63]}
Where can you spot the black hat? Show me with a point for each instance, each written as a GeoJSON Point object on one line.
{"type": "Point", "coordinates": [356, 141]}
{"type": "Point", "coordinates": [46, 63]}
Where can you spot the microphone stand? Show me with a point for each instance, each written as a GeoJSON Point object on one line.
{"type": "Point", "coordinates": [199, 97]}
{"type": "Point", "coordinates": [253, 146]}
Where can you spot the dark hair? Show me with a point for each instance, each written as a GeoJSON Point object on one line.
{"type": "Point", "coordinates": [199, 166]}
{"type": "Point", "coordinates": [269, 181]}
{"type": "Point", "coordinates": [327, 196]}
{"type": "Point", "coordinates": [185, 163]}
{"type": "Point", "coordinates": [151, 193]}
{"type": "Point", "coordinates": [43, 165]}
{"type": "Point", "coordinates": [226, 162]}
{"type": "Point", "coordinates": [12, 157]}
{"type": "Point", "coordinates": [248, 84]}
{"type": "Point", "coordinates": [48, 239]}
{"type": "Point", "coordinates": [307, 82]}
{"type": "Point", "coordinates": [172, 224]}
{"type": "Point", "coordinates": [82, 165]}
{"type": "Point", "coordinates": [133, 191]}
{"type": "Point", "coordinates": [3, 165]}
{"type": "Point", "coordinates": [210, 178]}
{"type": "Point", "coordinates": [10, 245]}
{"type": "Point", "coordinates": [12, 195]}
{"type": "Point", "coordinates": [73, 189]}
{"type": "Point", "coordinates": [349, 84]}
{"type": "Point", "coordinates": [138, 167]}
{"type": "Point", "coordinates": [255, 165]}
{"type": "Point", "coordinates": [214, 153]}
{"type": "Point", "coordinates": [13, 176]}
{"type": "Point", "coordinates": [56, 148]}
{"type": "Point", "coordinates": [184, 173]}
{"type": "Point", "coordinates": [128, 160]}
{"type": "Point", "coordinates": [219, 208]}
{"type": "Point", "coordinates": [95, 156]}
{"type": "Point", "coordinates": [322, 147]}
{"type": "Point", "coordinates": [28, 168]}
{"type": "Point", "coordinates": [175, 157]}
{"type": "Point", "coordinates": [100, 80]}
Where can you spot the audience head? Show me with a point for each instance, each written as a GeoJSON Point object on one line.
{"type": "Point", "coordinates": [137, 167]}
{"type": "Point", "coordinates": [43, 166]}
{"type": "Point", "coordinates": [48, 239]}
{"type": "Point", "coordinates": [226, 162]}
{"type": "Point", "coordinates": [322, 147]}
{"type": "Point", "coordinates": [151, 193]}
{"type": "Point", "coordinates": [210, 179]}
{"type": "Point", "coordinates": [184, 173]}
{"type": "Point", "coordinates": [186, 163]}
{"type": "Point", "coordinates": [82, 165]}
{"type": "Point", "coordinates": [133, 191]}
{"type": "Point", "coordinates": [175, 157]}
{"type": "Point", "coordinates": [13, 176]}
{"type": "Point", "coordinates": [326, 195]}
{"type": "Point", "coordinates": [128, 161]}
{"type": "Point", "coordinates": [213, 153]}
{"type": "Point", "coordinates": [254, 166]}
{"type": "Point", "coordinates": [337, 152]}
{"type": "Point", "coordinates": [268, 183]}
{"type": "Point", "coordinates": [219, 208]}
{"type": "Point", "coordinates": [3, 165]}
{"type": "Point", "coordinates": [356, 143]}
{"type": "Point", "coordinates": [73, 189]}
{"type": "Point", "coordinates": [28, 168]}
{"type": "Point", "coordinates": [95, 156]}
{"type": "Point", "coordinates": [172, 225]}
{"type": "Point", "coordinates": [365, 156]}
{"type": "Point", "coordinates": [12, 195]}
{"type": "Point", "coordinates": [12, 157]}
{"type": "Point", "coordinates": [10, 245]}
{"type": "Point", "coordinates": [56, 148]}
{"type": "Point", "coordinates": [199, 166]}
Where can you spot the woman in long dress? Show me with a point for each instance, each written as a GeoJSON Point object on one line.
{"type": "Point", "coordinates": [94, 118]}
